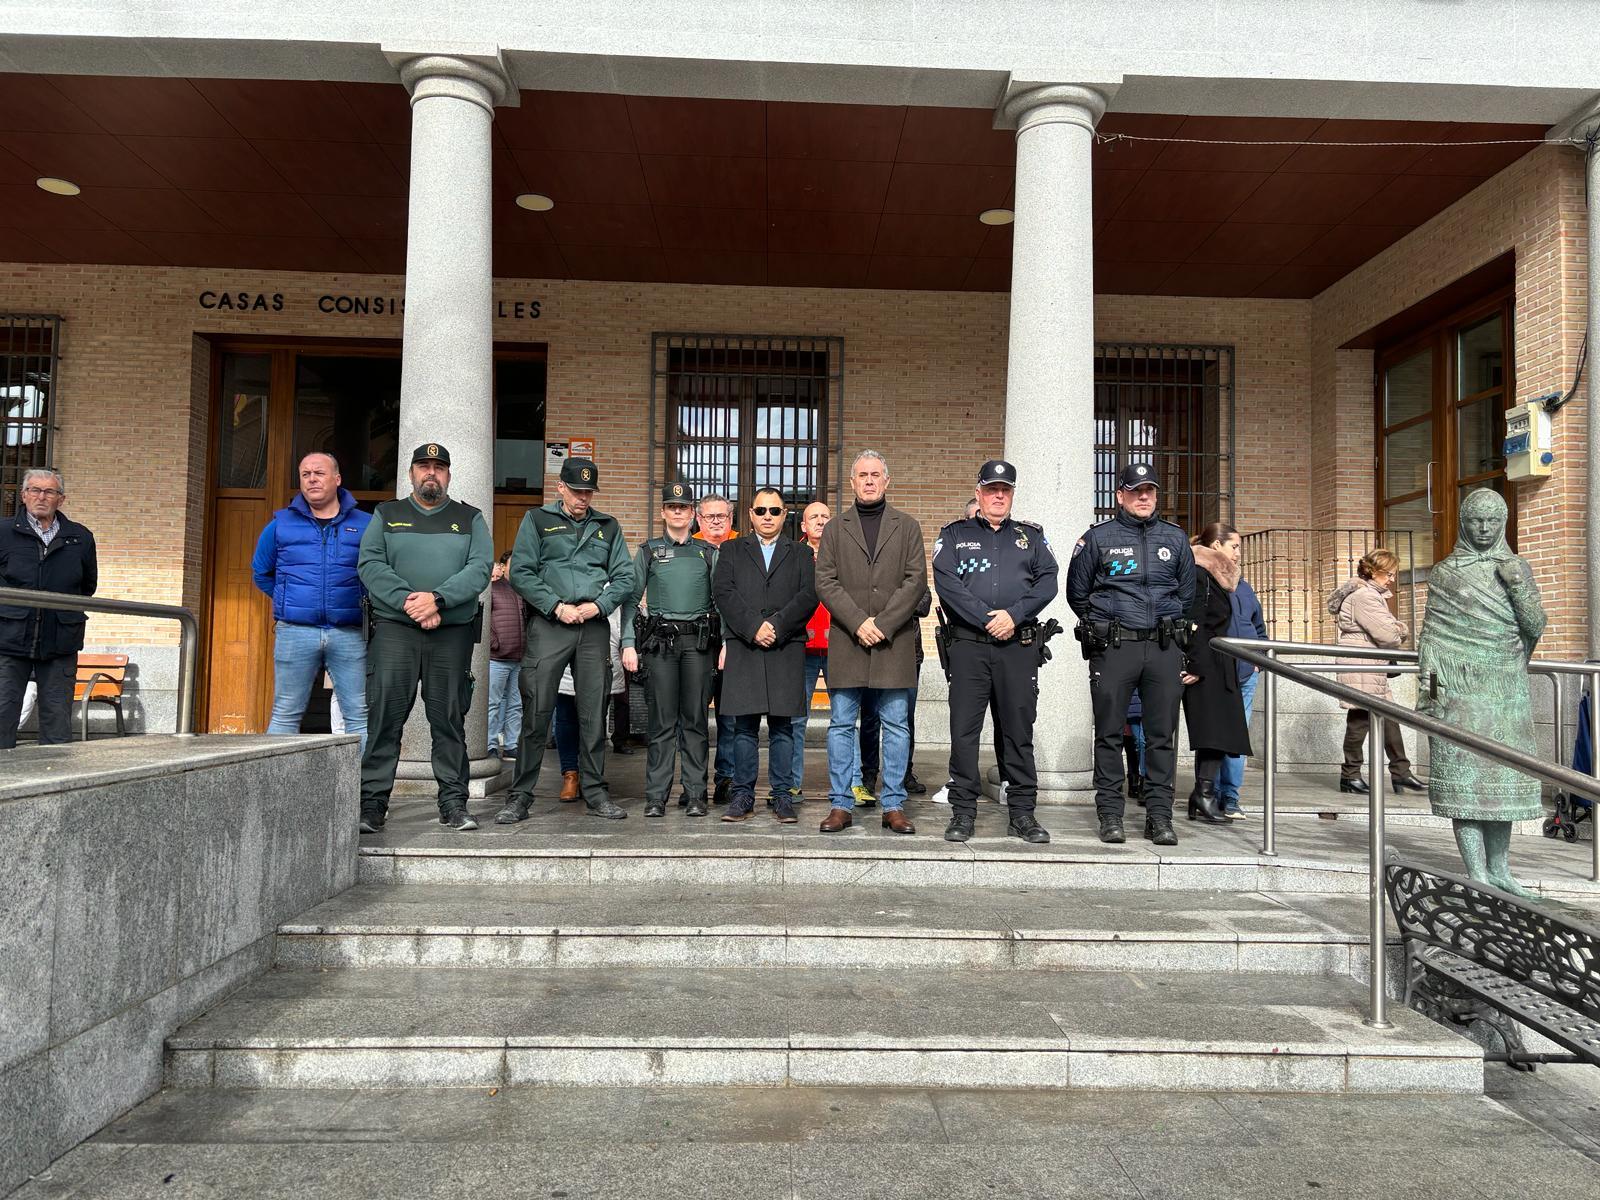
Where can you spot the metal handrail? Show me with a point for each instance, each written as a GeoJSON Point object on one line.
{"type": "Point", "coordinates": [1263, 655]}
{"type": "Point", "coordinates": [188, 633]}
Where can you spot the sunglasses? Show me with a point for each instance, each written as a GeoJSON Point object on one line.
{"type": "Point", "coordinates": [768, 512]}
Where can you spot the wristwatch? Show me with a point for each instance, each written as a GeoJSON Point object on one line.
{"type": "Point", "coordinates": [438, 601]}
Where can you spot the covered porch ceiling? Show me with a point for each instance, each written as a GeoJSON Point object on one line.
{"type": "Point", "coordinates": [312, 176]}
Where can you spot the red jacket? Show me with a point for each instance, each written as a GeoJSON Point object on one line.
{"type": "Point", "coordinates": [817, 627]}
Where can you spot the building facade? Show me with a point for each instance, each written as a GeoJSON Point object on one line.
{"type": "Point", "coordinates": [1304, 262]}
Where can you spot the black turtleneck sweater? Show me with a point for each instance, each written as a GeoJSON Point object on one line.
{"type": "Point", "coordinates": [871, 517]}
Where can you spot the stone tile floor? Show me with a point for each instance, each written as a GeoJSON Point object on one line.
{"type": "Point", "coordinates": [1533, 1136]}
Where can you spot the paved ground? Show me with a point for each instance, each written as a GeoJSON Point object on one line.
{"type": "Point", "coordinates": [1537, 1136]}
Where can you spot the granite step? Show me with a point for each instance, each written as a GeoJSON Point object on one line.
{"type": "Point", "coordinates": [770, 1027]}
{"type": "Point", "coordinates": [703, 925]}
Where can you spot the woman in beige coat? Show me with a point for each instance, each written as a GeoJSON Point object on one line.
{"type": "Point", "coordinates": [1361, 609]}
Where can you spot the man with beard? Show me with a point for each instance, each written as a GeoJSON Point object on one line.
{"type": "Point", "coordinates": [425, 560]}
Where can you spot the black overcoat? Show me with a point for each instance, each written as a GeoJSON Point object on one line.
{"type": "Point", "coordinates": [69, 564]}
{"type": "Point", "coordinates": [756, 680]}
{"type": "Point", "coordinates": [1213, 709]}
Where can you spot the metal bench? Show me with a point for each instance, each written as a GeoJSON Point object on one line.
{"type": "Point", "coordinates": [100, 680]}
{"type": "Point", "coordinates": [1475, 953]}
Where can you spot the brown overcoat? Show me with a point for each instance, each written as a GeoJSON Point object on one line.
{"type": "Point", "coordinates": [888, 585]}
{"type": "Point", "coordinates": [1361, 610]}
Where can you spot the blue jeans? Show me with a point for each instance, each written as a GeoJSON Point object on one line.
{"type": "Point", "coordinates": [565, 723]}
{"type": "Point", "coordinates": [299, 653]}
{"type": "Point", "coordinates": [724, 767]}
{"type": "Point", "coordinates": [1136, 728]}
{"type": "Point", "coordinates": [746, 756]}
{"type": "Point", "coordinates": [816, 668]}
{"type": "Point", "coordinates": [505, 704]}
{"type": "Point", "coordinates": [1232, 774]}
{"type": "Point", "coordinates": [843, 745]}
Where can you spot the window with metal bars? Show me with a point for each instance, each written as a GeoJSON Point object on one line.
{"type": "Point", "coordinates": [29, 346]}
{"type": "Point", "coordinates": [1170, 406]}
{"type": "Point", "coordinates": [733, 413]}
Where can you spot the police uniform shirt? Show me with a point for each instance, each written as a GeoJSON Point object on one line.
{"type": "Point", "coordinates": [676, 578]}
{"type": "Point", "coordinates": [978, 568]}
{"type": "Point", "coordinates": [1138, 573]}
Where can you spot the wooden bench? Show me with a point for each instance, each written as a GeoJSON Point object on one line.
{"type": "Point", "coordinates": [100, 680]}
{"type": "Point", "coordinates": [1475, 953]}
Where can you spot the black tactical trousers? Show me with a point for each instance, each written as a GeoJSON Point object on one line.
{"type": "Point", "coordinates": [1008, 674]}
{"type": "Point", "coordinates": [551, 648]}
{"type": "Point", "coordinates": [678, 691]}
{"type": "Point", "coordinates": [1113, 674]}
{"type": "Point", "coordinates": [398, 657]}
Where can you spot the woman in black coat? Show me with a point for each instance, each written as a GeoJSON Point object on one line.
{"type": "Point", "coordinates": [1213, 708]}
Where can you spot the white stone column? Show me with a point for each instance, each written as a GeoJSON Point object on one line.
{"type": "Point", "coordinates": [446, 383]}
{"type": "Point", "coordinates": [1050, 387]}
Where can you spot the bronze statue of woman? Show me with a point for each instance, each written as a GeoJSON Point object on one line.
{"type": "Point", "coordinates": [1482, 623]}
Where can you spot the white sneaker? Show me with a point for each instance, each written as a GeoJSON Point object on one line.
{"type": "Point", "coordinates": [942, 796]}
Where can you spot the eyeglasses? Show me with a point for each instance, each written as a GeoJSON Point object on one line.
{"type": "Point", "coordinates": [714, 516]}
{"type": "Point", "coordinates": [34, 491]}
{"type": "Point", "coordinates": [768, 512]}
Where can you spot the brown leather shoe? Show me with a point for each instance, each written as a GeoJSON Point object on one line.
{"type": "Point", "coordinates": [896, 820]}
{"type": "Point", "coordinates": [570, 790]}
{"type": "Point", "coordinates": [836, 820]}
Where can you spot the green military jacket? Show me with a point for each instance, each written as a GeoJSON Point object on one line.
{"type": "Point", "coordinates": [408, 548]}
{"type": "Point", "coordinates": [558, 560]}
{"type": "Point", "coordinates": [673, 579]}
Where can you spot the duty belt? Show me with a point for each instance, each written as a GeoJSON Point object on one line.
{"type": "Point", "coordinates": [1128, 635]}
{"type": "Point", "coordinates": [965, 633]}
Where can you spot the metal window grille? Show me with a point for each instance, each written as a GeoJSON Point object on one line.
{"type": "Point", "coordinates": [1170, 406]}
{"type": "Point", "coordinates": [1294, 571]}
{"type": "Point", "coordinates": [733, 412]}
{"type": "Point", "coordinates": [29, 349]}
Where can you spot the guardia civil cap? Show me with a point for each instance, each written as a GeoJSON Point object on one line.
{"type": "Point", "coordinates": [997, 470]}
{"type": "Point", "coordinates": [1137, 475]}
{"type": "Point", "coordinates": [677, 493]}
{"type": "Point", "coordinates": [430, 450]}
{"type": "Point", "coordinates": [580, 473]}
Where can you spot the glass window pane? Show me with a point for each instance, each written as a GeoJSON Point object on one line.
{"type": "Point", "coordinates": [519, 385]}
{"type": "Point", "coordinates": [1482, 431]}
{"type": "Point", "coordinates": [349, 406]}
{"type": "Point", "coordinates": [242, 445]}
{"type": "Point", "coordinates": [1408, 388]}
{"type": "Point", "coordinates": [1480, 356]}
{"type": "Point", "coordinates": [1409, 533]}
{"type": "Point", "coordinates": [1406, 456]}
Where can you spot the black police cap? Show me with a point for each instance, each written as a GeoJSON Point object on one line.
{"type": "Point", "coordinates": [580, 473]}
{"type": "Point", "coordinates": [1136, 475]}
{"type": "Point", "coordinates": [677, 493]}
{"type": "Point", "coordinates": [997, 470]}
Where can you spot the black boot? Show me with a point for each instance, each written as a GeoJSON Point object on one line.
{"type": "Point", "coordinates": [1205, 805]}
{"type": "Point", "coordinates": [1111, 831]}
{"type": "Point", "coordinates": [1357, 785]}
{"type": "Point", "coordinates": [960, 827]}
{"type": "Point", "coordinates": [1400, 783]}
{"type": "Point", "coordinates": [1159, 830]}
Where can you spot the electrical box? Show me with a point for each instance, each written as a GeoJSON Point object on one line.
{"type": "Point", "coordinates": [1527, 445]}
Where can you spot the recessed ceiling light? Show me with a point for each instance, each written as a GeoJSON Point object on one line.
{"type": "Point", "coordinates": [534, 202]}
{"type": "Point", "coordinates": [997, 216]}
{"type": "Point", "coordinates": [58, 187]}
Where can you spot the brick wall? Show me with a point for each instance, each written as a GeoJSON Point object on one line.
{"type": "Point", "coordinates": [924, 384]}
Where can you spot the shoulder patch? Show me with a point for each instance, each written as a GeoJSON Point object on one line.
{"type": "Point", "coordinates": [1029, 524]}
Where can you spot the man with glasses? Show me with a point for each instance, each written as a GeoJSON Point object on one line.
{"type": "Point", "coordinates": [715, 513]}
{"type": "Point", "coordinates": [765, 589]}
{"type": "Point", "coordinates": [42, 550]}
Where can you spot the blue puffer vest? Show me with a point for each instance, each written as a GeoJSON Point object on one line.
{"type": "Point", "coordinates": [309, 569]}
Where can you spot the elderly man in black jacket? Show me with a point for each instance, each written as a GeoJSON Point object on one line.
{"type": "Point", "coordinates": [765, 589]}
{"type": "Point", "coordinates": [43, 551]}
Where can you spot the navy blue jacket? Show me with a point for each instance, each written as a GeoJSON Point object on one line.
{"type": "Point", "coordinates": [978, 569]}
{"type": "Point", "coordinates": [308, 567]}
{"type": "Point", "coordinates": [69, 564]}
{"type": "Point", "coordinates": [1137, 573]}
{"type": "Point", "coordinates": [1247, 621]}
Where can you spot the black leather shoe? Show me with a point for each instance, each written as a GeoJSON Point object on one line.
{"type": "Point", "coordinates": [960, 827]}
{"type": "Point", "coordinates": [696, 807]}
{"type": "Point", "coordinates": [1159, 830]}
{"type": "Point", "coordinates": [1022, 825]}
{"type": "Point", "coordinates": [723, 790]}
{"type": "Point", "coordinates": [1356, 785]}
{"type": "Point", "coordinates": [607, 810]}
{"type": "Point", "coordinates": [655, 808]}
{"type": "Point", "coordinates": [516, 809]}
{"type": "Point", "coordinates": [1400, 783]}
{"type": "Point", "coordinates": [1205, 805]}
{"type": "Point", "coordinates": [1111, 832]}
{"type": "Point", "coordinates": [915, 786]}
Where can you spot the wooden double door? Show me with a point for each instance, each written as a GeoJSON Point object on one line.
{"type": "Point", "coordinates": [271, 405]}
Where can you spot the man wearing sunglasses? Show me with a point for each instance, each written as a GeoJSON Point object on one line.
{"type": "Point", "coordinates": [765, 589]}
{"type": "Point", "coordinates": [44, 551]}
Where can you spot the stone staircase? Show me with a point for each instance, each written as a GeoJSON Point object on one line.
{"type": "Point", "coordinates": [572, 952]}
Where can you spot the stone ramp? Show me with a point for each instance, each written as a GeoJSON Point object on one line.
{"type": "Point", "coordinates": [775, 1027]}
{"type": "Point", "coordinates": [703, 925]}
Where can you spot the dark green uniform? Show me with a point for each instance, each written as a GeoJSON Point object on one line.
{"type": "Point", "coordinates": [559, 560]}
{"type": "Point", "coordinates": [408, 548]}
{"type": "Point", "coordinates": [678, 660]}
